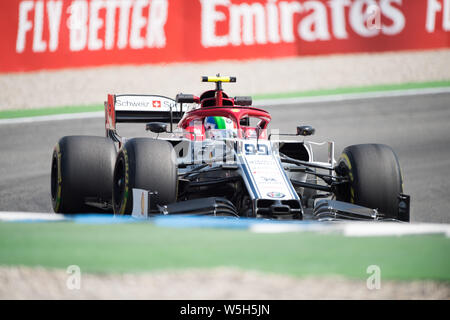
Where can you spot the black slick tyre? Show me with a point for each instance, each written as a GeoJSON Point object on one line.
{"type": "Point", "coordinates": [82, 169]}
{"type": "Point", "coordinates": [144, 163]}
{"type": "Point", "coordinates": [375, 179]}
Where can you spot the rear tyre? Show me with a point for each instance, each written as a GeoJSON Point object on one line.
{"type": "Point", "coordinates": [147, 164]}
{"type": "Point", "coordinates": [375, 179]}
{"type": "Point", "coordinates": [82, 167]}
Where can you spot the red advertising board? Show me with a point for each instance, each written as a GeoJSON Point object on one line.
{"type": "Point", "coordinates": [55, 34]}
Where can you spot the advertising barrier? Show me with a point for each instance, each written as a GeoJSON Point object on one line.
{"type": "Point", "coordinates": [56, 34]}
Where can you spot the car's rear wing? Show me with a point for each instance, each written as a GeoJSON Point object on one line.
{"type": "Point", "coordinates": [137, 108]}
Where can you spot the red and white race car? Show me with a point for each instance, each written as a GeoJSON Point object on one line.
{"type": "Point", "coordinates": [214, 155]}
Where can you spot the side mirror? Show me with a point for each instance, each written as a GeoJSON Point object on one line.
{"type": "Point", "coordinates": [156, 127]}
{"type": "Point", "coordinates": [186, 98]}
{"type": "Point", "coordinates": [305, 131]}
{"type": "Point", "coordinates": [243, 101]}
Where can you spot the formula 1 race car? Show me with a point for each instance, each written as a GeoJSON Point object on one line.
{"type": "Point", "coordinates": [217, 157]}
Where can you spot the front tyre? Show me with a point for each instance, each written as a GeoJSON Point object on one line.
{"type": "Point", "coordinates": [148, 164]}
{"type": "Point", "coordinates": [375, 179]}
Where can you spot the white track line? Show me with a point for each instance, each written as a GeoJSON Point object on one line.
{"type": "Point", "coordinates": [262, 103]}
{"type": "Point", "coordinates": [55, 117]}
{"type": "Point", "coordinates": [394, 229]}
{"type": "Point", "coordinates": [349, 229]}
{"type": "Point", "coordinates": [357, 229]}
{"type": "Point", "coordinates": [12, 216]}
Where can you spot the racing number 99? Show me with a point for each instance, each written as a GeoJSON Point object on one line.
{"type": "Point", "coordinates": [251, 149]}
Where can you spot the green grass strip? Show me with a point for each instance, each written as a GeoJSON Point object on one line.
{"type": "Point", "coordinates": [353, 90]}
{"type": "Point", "coordinates": [9, 114]}
{"type": "Point", "coordinates": [145, 247]}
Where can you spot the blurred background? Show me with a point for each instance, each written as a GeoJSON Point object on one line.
{"type": "Point", "coordinates": [72, 52]}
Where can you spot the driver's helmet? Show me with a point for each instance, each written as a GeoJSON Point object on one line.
{"type": "Point", "coordinates": [220, 127]}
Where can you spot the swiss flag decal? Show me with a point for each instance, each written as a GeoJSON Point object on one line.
{"type": "Point", "coordinates": [156, 104]}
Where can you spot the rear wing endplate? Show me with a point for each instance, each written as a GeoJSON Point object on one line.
{"type": "Point", "coordinates": [134, 108]}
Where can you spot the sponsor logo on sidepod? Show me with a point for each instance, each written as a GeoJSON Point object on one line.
{"type": "Point", "coordinates": [276, 195]}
